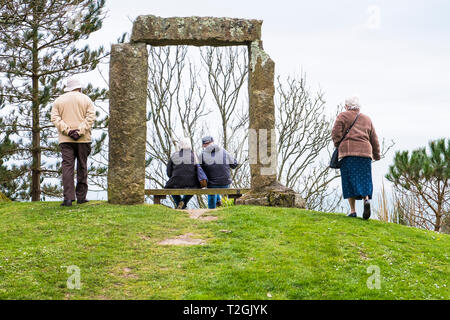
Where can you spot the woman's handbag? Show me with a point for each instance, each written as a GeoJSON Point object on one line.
{"type": "Point", "coordinates": [335, 163]}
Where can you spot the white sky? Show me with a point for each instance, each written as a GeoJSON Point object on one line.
{"type": "Point", "coordinates": [393, 54]}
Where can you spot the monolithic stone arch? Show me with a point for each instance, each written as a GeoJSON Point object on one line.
{"type": "Point", "coordinates": [128, 87]}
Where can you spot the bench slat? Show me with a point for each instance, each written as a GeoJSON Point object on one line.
{"type": "Point", "coordinates": [162, 192]}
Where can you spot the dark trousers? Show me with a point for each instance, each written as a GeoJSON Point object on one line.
{"type": "Point", "coordinates": [185, 199]}
{"type": "Point", "coordinates": [71, 152]}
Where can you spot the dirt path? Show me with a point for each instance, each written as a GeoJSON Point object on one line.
{"type": "Point", "coordinates": [201, 214]}
{"type": "Point", "coordinates": [189, 239]}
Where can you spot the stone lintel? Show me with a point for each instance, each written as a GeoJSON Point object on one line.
{"type": "Point", "coordinates": [196, 31]}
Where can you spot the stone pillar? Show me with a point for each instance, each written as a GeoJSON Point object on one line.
{"type": "Point", "coordinates": [262, 137]}
{"type": "Point", "coordinates": [128, 78]}
{"type": "Point", "coordinates": [266, 190]}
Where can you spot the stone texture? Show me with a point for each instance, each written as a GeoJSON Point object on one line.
{"type": "Point", "coordinates": [4, 198]}
{"type": "Point", "coordinates": [262, 118]}
{"type": "Point", "coordinates": [196, 31]}
{"type": "Point", "coordinates": [127, 126]}
{"type": "Point", "coordinates": [275, 195]}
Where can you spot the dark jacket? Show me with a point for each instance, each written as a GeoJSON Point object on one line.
{"type": "Point", "coordinates": [216, 162]}
{"type": "Point", "coordinates": [182, 171]}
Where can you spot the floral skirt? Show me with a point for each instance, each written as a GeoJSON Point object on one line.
{"type": "Point", "coordinates": [356, 177]}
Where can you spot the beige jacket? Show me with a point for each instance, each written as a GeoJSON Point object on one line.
{"type": "Point", "coordinates": [72, 111]}
{"type": "Point", "coordinates": [361, 141]}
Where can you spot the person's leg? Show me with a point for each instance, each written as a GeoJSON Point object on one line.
{"type": "Point", "coordinates": [177, 200]}
{"type": "Point", "coordinates": [219, 197]}
{"type": "Point", "coordinates": [368, 188]}
{"type": "Point", "coordinates": [186, 200]}
{"type": "Point", "coordinates": [212, 201]}
{"type": "Point", "coordinates": [352, 202]}
{"type": "Point", "coordinates": [366, 213]}
{"type": "Point", "coordinates": [67, 166]}
{"type": "Point", "coordinates": [218, 201]}
{"type": "Point", "coordinates": [84, 149]}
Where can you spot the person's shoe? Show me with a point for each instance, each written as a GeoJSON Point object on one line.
{"type": "Point", "coordinates": [218, 204]}
{"type": "Point", "coordinates": [82, 201]}
{"type": "Point", "coordinates": [180, 205]}
{"type": "Point", "coordinates": [352, 215]}
{"type": "Point", "coordinates": [366, 214]}
{"type": "Point", "coordinates": [66, 203]}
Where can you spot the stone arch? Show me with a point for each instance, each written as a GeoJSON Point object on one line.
{"type": "Point", "coordinates": [128, 83]}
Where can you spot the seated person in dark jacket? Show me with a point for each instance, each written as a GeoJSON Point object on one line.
{"type": "Point", "coordinates": [216, 162]}
{"type": "Point", "coordinates": [182, 171]}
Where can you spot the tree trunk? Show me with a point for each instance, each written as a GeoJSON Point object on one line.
{"type": "Point", "coordinates": [438, 224]}
{"type": "Point", "coordinates": [36, 130]}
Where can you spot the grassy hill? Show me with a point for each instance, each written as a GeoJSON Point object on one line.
{"type": "Point", "coordinates": [249, 253]}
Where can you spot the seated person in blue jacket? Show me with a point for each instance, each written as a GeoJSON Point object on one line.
{"type": "Point", "coordinates": [182, 170]}
{"type": "Point", "coordinates": [216, 163]}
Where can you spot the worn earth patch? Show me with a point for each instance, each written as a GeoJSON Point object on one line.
{"type": "Point", "coordinates": [198, 213]}
{"type": "Point", "coordinates": [183, 240]}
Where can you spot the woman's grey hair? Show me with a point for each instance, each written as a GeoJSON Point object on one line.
{"type": "Point", "coordinates": [184, 144]}
{"type": "Point", "coordinates": [352, 103]}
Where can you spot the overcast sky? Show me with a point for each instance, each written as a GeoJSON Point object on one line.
{"type": "Point", "coordinates": [394, 54]}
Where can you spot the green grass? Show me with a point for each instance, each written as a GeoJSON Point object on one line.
{"type": "Point", "coordinates": [271, 253]}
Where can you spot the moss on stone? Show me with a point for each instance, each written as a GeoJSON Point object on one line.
{"type": "Point", "coordinates": [4, 198]}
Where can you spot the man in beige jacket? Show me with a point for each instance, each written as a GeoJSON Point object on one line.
{"type": "Point", "coordinates": [73, 114]}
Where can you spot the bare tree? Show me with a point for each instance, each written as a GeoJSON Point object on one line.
{"type": "Point", "coordinates": [227, 73]}
{"type": "Point", "coordinates": [303, 137]}
{"type": "Point", "coordinates": [175, 109]}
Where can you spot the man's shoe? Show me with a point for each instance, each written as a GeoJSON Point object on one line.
{"type": "Point", "coordinates": [66, 203]}
{"type": "Point", "coordinates": [352, 215]}
{"type": "Point", "coordinates": [82, 201]}
{"type": "Point", "coordinates": [180, 205]}
{"type": "Point", "coordinates": [366, 214]}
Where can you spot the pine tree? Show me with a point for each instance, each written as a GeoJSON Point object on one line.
{"type": "Point", "coordinates": [424, 178]}
{"type": "Point", "coordinates": [39, 47]}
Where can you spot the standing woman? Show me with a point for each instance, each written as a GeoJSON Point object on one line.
{"type": "Point", "coordinates": [357, 151]}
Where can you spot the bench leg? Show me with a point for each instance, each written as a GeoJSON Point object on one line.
{"type": "Point", "coordinates": [234, 197]}
{"type": "Point", "coordinates": [157, 199]}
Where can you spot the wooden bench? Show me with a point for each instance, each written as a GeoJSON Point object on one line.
{"type": "Point", "coordinates": [159, 194]}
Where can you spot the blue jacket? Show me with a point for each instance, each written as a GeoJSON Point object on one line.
{"type": "Point", "coordinates": [217, 162]}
